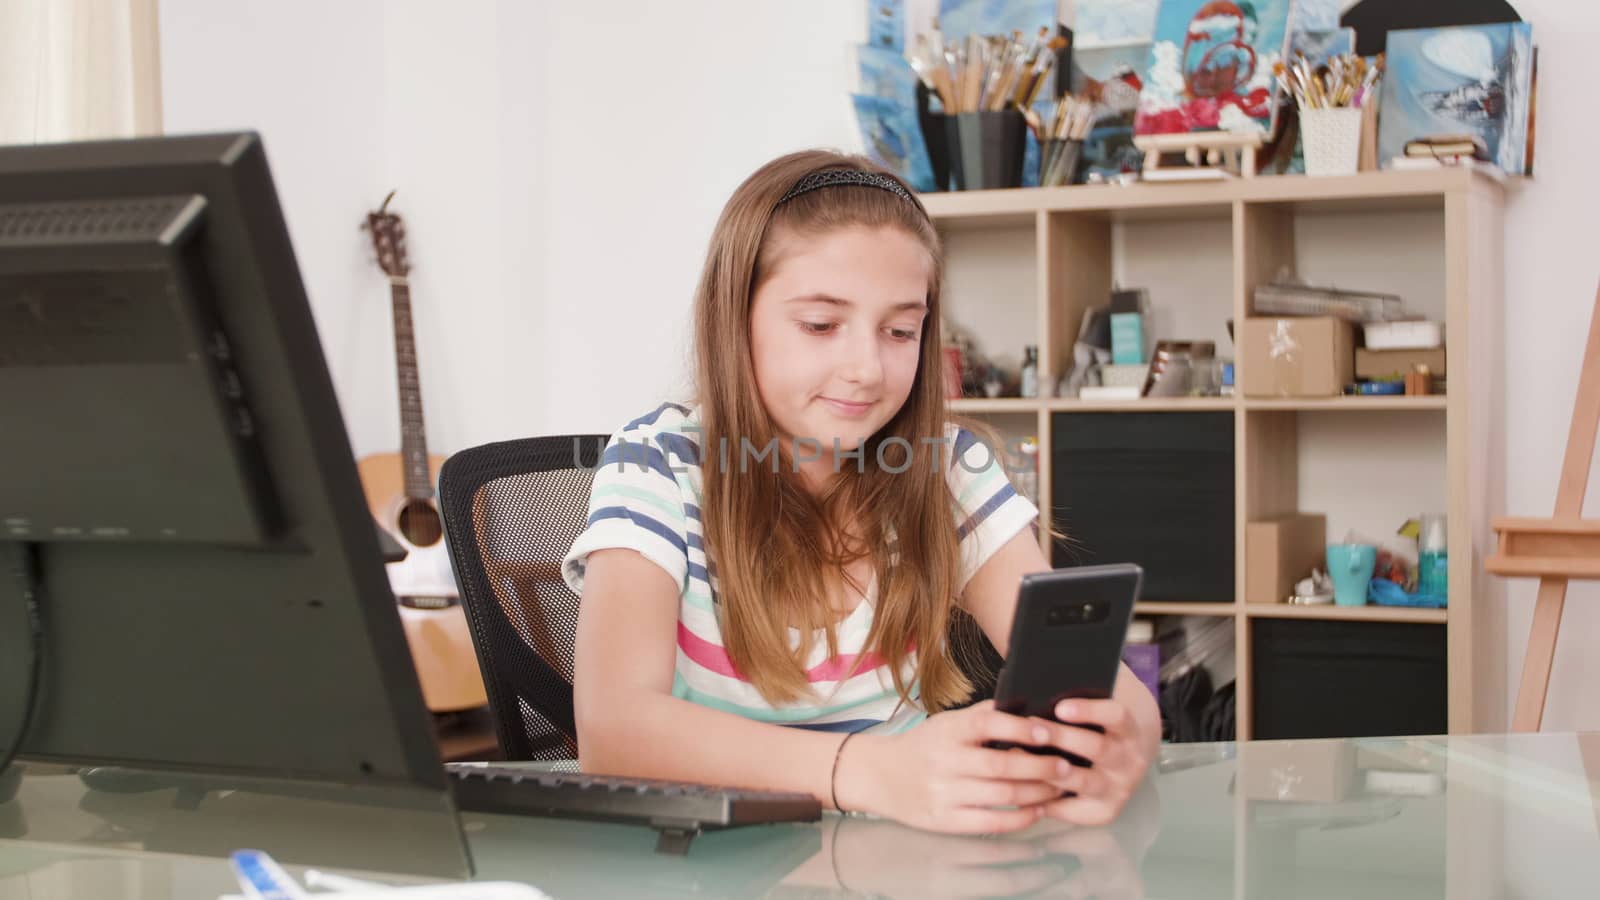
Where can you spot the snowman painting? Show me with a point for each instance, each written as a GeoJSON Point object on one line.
{"type": "Point", "coordinates": [1211, 66]}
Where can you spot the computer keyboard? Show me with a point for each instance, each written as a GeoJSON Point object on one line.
{"type": "Point", "coordinates": [678, 810]}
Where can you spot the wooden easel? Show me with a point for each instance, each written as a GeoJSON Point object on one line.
{"type": "Point", "coordinates": [1560, 548]}
{"type": "Point", "coordinates": [1210, 155]}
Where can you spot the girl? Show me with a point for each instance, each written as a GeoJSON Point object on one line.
{"type": "Point", "coordinates": [768, 578]}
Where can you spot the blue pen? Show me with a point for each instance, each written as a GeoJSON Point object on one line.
{"type": "Point", "coordinates": [262, 878]}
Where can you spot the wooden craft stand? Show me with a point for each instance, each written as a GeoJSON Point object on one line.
{"type": "Point", "coordinates": [1557, 549]}
{"type": "Point", "coordinates": [1210, 155]}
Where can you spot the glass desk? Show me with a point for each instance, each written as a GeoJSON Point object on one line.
{"type": "Point", "coordinates": [1465, 817]}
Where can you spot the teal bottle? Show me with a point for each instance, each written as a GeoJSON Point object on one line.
{"type": "Point", "coordinates": [1433, 558]}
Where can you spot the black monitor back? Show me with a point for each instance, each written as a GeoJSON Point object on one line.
{"type": "Point", "coordinates": [172, 453]}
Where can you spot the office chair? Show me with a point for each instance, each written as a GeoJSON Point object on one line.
{"type": "Point", "coordinates": [511, 511]}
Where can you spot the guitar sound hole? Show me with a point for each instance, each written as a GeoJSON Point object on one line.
{"type": "Point", "coordinates": [419, 523]}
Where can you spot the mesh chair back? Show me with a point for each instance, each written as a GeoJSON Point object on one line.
{"type": "Point", "coordinates": [511, 511]}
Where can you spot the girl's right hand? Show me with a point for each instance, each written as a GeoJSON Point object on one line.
{"type": "Point", "coordinates": [940, 776]}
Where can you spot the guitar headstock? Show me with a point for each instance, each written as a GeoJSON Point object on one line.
{"type": "Point", "coordinates": [388, 239]}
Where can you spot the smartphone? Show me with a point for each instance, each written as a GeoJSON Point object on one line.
{"type": "Point", "coordinates": [1066, 641]}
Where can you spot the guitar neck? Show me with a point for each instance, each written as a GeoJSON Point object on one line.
{"type": "Point", "coordinates": [413, 435]}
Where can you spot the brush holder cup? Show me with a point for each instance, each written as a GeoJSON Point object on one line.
{"type": "Point", "coordinates": [988, 149]}
{"type": "Point", "coordinates": [936, 137]}
{"type": "Point", "coordinates": [1058, 161]}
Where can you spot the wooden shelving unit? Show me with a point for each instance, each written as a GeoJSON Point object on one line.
{"type": "Point", "coordinates": [1068, 237]}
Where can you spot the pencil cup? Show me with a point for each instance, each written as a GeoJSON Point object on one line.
{"type": "Point", "coordinates": [952, 152]}
{"type": "Point", "coordinates": [935, 136]}
{"type": "Point", "coordinates": [991, 147]}
{"type": "Point", "coordinates": [1058, 161]}
{"type": "Point", "coordinates": [1332, 140]}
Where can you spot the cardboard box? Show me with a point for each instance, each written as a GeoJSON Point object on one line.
{"type": "Point", "coordinates": [1279, 552]}
{"type": "Point", "coordinates": [1305, 357]}
{"type": "Point", "coordinates": [1383, 365]}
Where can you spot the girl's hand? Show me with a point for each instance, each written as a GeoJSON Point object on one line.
{"type": "Point", "coordinates": [940, 776]}
{"type": "Point", "coordinates": [1119, 757]}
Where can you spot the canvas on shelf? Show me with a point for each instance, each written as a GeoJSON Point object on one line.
{"type": "Point", "coordinates": [891, 137]}
{"type": "Point", "coordinates": [1464, 79]}
{"type": "Point", "coordinates": [1210, 66]}
{"type": "Point", "coordinates": [886, 24]}
{"type": "Point", "coordinates": [1110, 76]}
{"type": "Point", "coordinates": [1112, 23]}
{"type": "Point", "coordinates": [959, 18]}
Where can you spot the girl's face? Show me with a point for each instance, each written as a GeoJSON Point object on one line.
{"type": "Point", "coordinates": [835, 333]}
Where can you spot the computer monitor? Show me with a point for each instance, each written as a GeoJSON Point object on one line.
{"type": "Point", "coordinates": [177, 486]}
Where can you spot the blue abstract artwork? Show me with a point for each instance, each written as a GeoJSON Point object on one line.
{"type": "Point", "coordinates": [1103, 23]}
{"type": "Point", "coordinates": [959, 18]}
{"type": "Point", "coordinates": [886, 24]}
{"type": "Point", "coordinates": [892, 137]}
{"type": "Point", "coordinates": [1463, 80]}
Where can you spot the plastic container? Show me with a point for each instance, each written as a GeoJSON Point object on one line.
{"type": "Point", "coordinates": [1404, 335]}
{"type": "Point", "coordinates": [1351, 566]}
{"type": "Point", "coordinates": [1433, 557]}
{"type": "Point", "coordinates": [1332, 140]}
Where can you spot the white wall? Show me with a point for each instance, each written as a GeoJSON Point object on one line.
{"type": "Point", "coordinates": [664, 108]}
{"type": "Point", "coordinates": [560, 166]}
{"type": "Point", "coordinates": [355, 98]}
{"type": "Point", "coordinates": [1552, 270]}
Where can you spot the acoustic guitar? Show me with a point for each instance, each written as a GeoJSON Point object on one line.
{"type": "Point", "coordinates": [400, 494]}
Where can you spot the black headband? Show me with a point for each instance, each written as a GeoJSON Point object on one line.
{"type": "Point", "coordinates": [831, 177]}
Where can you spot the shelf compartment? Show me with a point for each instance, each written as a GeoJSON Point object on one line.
{"type": "Point", "coordinates": [991, 290]}
{"type": "Point", "coordinates": [1347, 678]}
{"type": "Point", "coordinates": [1153, 489]}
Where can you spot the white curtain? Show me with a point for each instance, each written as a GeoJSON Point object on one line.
{"type": "Point", "coordinates": [78, 69]}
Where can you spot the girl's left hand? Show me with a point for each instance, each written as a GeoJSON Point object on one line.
{"type": "Point", "coordinates": [1120, 761]}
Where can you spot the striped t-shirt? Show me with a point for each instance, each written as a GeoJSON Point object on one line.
{"type": "Point", "coordinates": [646, 497]}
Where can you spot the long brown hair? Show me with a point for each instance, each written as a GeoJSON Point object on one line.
{"type": "Point", "coordinates": [772, 541]}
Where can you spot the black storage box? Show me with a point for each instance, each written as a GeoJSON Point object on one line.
{"type": "Point", "coordinates": [1322, 679]}
{"type": "Point", "coordinates": [1149, 488]}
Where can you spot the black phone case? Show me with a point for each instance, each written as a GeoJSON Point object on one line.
{"type": "Point", "coordinates": [1053, 655]}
